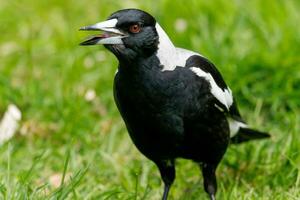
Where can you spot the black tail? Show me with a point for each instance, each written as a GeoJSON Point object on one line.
{"type": "Point", "coordinates": [246, 134]}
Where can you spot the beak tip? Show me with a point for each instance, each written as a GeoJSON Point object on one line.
{"type": "Point", "coordinates": [91, 41]}
{"type": "Point", "coordinates": [83, 44]}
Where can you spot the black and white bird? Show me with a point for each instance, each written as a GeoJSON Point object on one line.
{"type": "Point", "coordinates": [174, 102]}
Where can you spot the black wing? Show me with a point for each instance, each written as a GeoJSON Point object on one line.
{"type": "Point", "coordinates": [206, 66]}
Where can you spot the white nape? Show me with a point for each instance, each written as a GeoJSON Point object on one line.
{"type": "Point", "coordinates": [234, 126]}
{"type": "Point", "coordinates": [170, 56]}
{"type": "Point", "coordinates": [225, 97]}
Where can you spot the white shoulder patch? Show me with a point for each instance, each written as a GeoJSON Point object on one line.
{"type": "Point", "coordinates": [234, 126]}
{"type": "Point", "coordinates": [183, 54]}
{"type": "Point", "coordinates": [225, 97]}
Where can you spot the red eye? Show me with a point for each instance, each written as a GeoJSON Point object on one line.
{"type": "Point", "coordinates": [135, 28]}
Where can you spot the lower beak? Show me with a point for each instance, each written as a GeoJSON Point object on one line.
{"type": "Point", "coordinates": [110, 35]}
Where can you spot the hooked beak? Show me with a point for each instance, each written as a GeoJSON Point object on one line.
{"type": "Point", "coordinates": [111, 34]}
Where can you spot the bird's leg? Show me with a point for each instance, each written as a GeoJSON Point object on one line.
{"type": "Point", "coordinates": [166, 192]}
{"type": "Point", "coordinates": [167, 172]}
{"type": "Point", "coordinates": [210, 181]}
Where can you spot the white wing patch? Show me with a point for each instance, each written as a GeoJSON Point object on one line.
{"type": "Point", "coordinates": [225, 97]}
{"type": "Point", "coordinates": [234, 126]}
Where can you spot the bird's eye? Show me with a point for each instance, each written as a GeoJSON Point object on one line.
{"type": "Point", "coordinates": [135, 28]}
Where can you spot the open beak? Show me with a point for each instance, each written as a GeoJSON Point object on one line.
{"type": "Point", "coordinates": [110, 35]}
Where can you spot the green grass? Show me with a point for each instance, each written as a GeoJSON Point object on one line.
{"type": "Point", "coordinates": [255, 45]}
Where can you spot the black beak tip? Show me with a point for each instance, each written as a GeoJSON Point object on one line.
{"type": "Point", "coordinates": [85, 43]}
{"type": "Point", "coordinates": [90, 41]}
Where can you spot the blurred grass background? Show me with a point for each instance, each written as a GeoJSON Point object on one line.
{"type": "Point", "coordinates": [72, 143]}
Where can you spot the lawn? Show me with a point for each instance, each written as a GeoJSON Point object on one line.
{"type": "Point", "coordinates": [72, 142]}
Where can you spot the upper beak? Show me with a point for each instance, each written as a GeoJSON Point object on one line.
{"type": "Point", "coordinates": [111, 34]}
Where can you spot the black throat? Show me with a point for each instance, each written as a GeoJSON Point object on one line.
{"type": "Point", "coordinates": [139, 66]}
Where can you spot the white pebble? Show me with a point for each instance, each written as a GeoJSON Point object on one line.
{"type": "Point", "coordinates": [90, 95]}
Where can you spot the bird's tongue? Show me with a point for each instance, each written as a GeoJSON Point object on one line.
{"type": "Point", "coordinates": [104, 35]}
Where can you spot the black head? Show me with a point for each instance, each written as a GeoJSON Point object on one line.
{"type": "Point", "coordinates": [127, 33]}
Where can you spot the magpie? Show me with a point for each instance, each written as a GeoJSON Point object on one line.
{"type": "Point", "coordinates": [174, 102]}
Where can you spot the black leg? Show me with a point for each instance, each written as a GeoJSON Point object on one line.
{"type": "Point", "coordinates": [167, 172]}
{"type": "Point", "coordinates": [210, 181]}
{"type": "Point", "coordinates": [166, 192]}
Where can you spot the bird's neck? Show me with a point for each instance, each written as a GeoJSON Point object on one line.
{"type": "Point", "coordinates": [140, 66]}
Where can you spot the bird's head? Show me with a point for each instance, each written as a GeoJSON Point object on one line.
{"type": "Point", "coordinates": [126, 33]}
